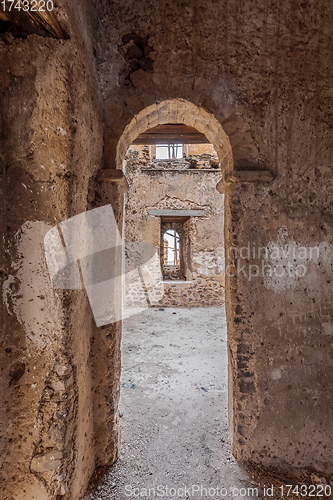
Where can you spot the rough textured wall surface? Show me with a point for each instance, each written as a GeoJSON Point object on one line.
{"type": "Point", "coordinates": [56, 418]}
{"type": "Point", "coordinates": [263, 70]}
{"type": "Point", "coordinates": [172, 185]}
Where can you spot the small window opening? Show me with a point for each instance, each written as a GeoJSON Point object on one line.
{"type": "Point", "coordinates": [174, 250]}
{"type": "Point", "coordinates": [169, 151]}
{"type": "Point", "coordinates": [171, 248]}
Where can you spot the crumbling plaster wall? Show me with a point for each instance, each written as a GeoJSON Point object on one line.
{"type": "Point", "coordinates": [262, 69]}
{"type": "Point", "coordinates": [57, 417]}
{"type": "Point", "coordinates": [172, 185]}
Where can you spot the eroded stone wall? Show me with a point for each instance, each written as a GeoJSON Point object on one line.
{"type": "Point", "coordinates": [173, 185]}
{"type": "Point", "coordinates": [262, 70]}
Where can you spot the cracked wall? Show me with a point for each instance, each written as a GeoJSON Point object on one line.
{"type": "Point", "coordinates": [57, 423]}
{"type": "Point", "coordinates": [255, 74]}
{"type": "Point", "coordinates": [262, 70]}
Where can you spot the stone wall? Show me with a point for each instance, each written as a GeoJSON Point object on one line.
{"type": "Point", "coordinates": [261, 70]}
{"type": "Point", "coordinates": [157, 184]}
{"type": "Point", "coordinates": [255, 78]}
{"type": "Point", "coordinates": [57, 420]}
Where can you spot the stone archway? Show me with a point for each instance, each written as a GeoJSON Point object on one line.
{"type": "Point", "coordinates": [178, 111]}
{"type": "Point", "coordinates": [239, 172]}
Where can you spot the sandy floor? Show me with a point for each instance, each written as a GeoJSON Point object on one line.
{"type": "Point", "coordinates": [174, 425]}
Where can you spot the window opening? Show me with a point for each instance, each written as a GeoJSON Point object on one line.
{"type": "Point", "coordinates": [169, 151]}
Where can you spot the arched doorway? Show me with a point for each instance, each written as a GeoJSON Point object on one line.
{"type": "Point", "coordinates": [180, 112]}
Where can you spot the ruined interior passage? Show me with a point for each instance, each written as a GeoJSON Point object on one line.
{"type": "Point", "coordinates": [160, 158]}
{"type": "Point", "coordinates": [174, 408]}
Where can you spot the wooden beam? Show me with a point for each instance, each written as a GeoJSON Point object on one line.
{"type": "Point", "coordinates": [22, 23]}
{"type": "Point", "coordinates": [171, 133]}
{"type": "Point", "coordinates": [174, 219]}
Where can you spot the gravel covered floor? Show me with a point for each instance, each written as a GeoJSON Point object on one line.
{"type": "Point", "coordinates": [174, 424]}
